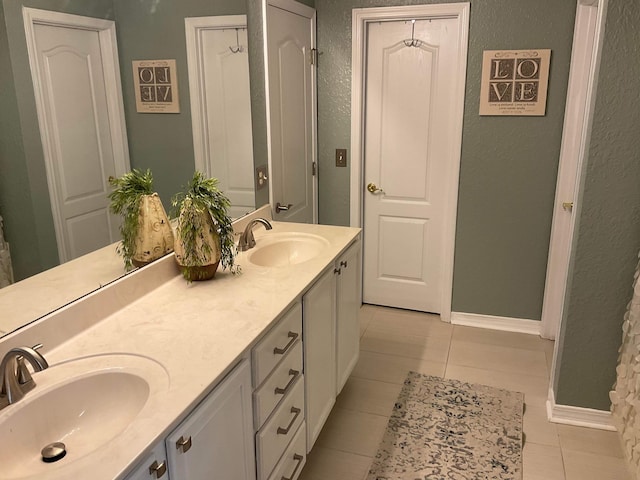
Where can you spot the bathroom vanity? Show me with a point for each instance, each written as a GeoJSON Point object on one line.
{"type": "Point", "coordinates": [235, 376]}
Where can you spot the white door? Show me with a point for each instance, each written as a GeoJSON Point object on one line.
{"type": "Point", "coordinates": [575, 138]}
{"type": "Point", "coordinates": [76, 82]}
{"type": "Point", "coordinates": [221, 105]}
{"type": "Point", "coordinates": [411, 153]}
{"type": "Point", "coordinates": [290, 34]}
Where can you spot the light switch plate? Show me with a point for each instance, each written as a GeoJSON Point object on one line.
{"type": "Point", "coordinates": [341, 157]}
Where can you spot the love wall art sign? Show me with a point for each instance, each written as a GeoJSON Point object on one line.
{"type": "Point", "coordinates": [514, 82]}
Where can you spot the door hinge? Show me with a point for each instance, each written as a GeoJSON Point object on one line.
{"type": "Point", "coordinates": [314, 169]}
{"type": "Point", "coordinates": [313, 56]}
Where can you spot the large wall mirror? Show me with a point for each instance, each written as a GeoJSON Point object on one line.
{"type": "Point", "coordinates": [164, 143]}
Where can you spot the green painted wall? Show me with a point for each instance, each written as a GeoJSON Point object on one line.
{"type": "Point", "coordinates": [148, 30]}
{"type": "Point", "coordinates": [607, 238]}
{"type": "Point", "coordinates": [24, 195]}
{"type": "Point", "coordinates": [508, 166]}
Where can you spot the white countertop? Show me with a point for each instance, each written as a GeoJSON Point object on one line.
{"type": "Point", "coordinates": [36, 296]}
{"type": "Point", "coordinates": [197, 331]}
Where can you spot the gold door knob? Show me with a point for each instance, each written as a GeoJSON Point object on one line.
{"type": "Point", "coordinates": [373, 189]}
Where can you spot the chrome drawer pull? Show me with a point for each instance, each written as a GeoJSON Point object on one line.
{"type": "Point", "coordinates": [183, 444]}
{"type": "Point", "coordinates": [159, 469]}
{"type": "Point", "coordinates": [284, 431]}
{"type": "Point", "coordinates": [282, 351]}
{"type": "Point", "coordinates": [284, 390]}
{"type": "Point", "coordinates": [297, 458]}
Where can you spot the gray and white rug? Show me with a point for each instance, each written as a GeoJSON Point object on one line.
{"type": "Point", "coordinates": [450, 430]}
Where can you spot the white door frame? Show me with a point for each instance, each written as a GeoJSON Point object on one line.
{"type": "Point", "coordinates": [581, 92]}
{"type": "Point", "coordinates": [310, 13]}
{"type": "Point", "coordinates": [106, 30]}
{"type": "Point", "coordinates": [361, 17]}
{"type": "Point", "coordinates": [193, 28]}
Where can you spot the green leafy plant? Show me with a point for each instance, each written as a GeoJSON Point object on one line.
{"type": "Point", "coordinates": [125, 200]}
{"type": "Point", "coordinates": [202, 195]}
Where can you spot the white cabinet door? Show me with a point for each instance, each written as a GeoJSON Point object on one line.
{"type": "Point", "coordinates": [347, 308]}
{"type": "Point", "coordinates": [154, 466]}
{"type": "Point", "coordinates": [318, 316]}
{"type": "Point", "coordinates": [216, 441]}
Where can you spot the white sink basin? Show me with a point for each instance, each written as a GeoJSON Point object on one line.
{"type": "Point", "coordinates": [85, 404]}
{"type": "Point", "coordinates": [283, 249]}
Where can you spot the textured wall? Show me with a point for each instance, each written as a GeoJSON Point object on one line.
{"type": "Point", "coordinates": [24, 195]}
{"type": "Point", "coordinates": [608, 233]}
{"type": "Point", "coordinates": [509, 164]}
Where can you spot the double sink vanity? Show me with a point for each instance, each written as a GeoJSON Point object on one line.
{"type": "Point", "coordinates": [153, 377]}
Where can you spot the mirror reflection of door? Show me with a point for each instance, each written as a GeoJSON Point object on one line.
{"type": "Point", "coordinates": [221, 105]}
{"type": "Point", "coordinates": [291, 101]}
{"type": "Point", "coordinates": [75, 73]}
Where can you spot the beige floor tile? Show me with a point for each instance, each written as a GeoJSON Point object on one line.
{"type": "Point", "coordinates": [404, 322]}
{"type": "Point", "coordinates": [365, 315]}
{"type": "Point", "coordinates": [535, 388]}
{"type": "Point", "coordinates": [330, 464]}
{"type": "Point", "coordinates": [392, 368]}
{"type": "Point", "coordinates": [537, 428]}
{"type": "Point", "coordinates": [498, 358]}
{"type": "Point", "coordinates": [353, 432]}
{"type": "Point", "coordinates": [434, 348]}
{"type": "Point", "coordinates": [542, 462]}
{"type": "Point", "coordinates": [369, 396]}
{"type": "Point", "coordinates": [590, 440]}
{"type": "Point", "coordinates": [498, 337]}
{"type": "Point", "coordinates": [589, 466]}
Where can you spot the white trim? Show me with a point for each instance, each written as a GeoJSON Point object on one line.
{"type": "Point", "coordinates": [507, 324]}
{"type": "Point", "coordinates": [310, 13]}
{"type": "Point", "coordinates": [578, 416]}
{"type": "Point", "coordinates": [361, 17]}
{"type": "Point", "coordinates": [194, 26]}
{"type": "Point", "coordinates": [583, 77]}
{"type": "Point", "coordinates": [588, 122]}
{"type": "Point", "coordinates": [106, 30]}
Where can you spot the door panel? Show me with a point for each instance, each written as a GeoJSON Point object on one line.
{"type": "Point", "coordinates": [409, 157]}
{"type": "Point", "coordinates": [291, 113]}
{"type": "Point", "coordinates": [76, 113]}
{"type": "Point", "coordinates": [228, 115]}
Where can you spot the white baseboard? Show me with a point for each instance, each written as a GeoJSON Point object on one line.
{"type": "Point", "coordinates": [507, 324]}
{"type": "Point", "coordinates": [578, 416]}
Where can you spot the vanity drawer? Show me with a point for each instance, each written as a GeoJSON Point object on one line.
{"type": "Point", "coordinates": [293, 460]}
{"type": "Point", "coordinates": [276, 344]}
{"type": "Point", "coordinates": [277, 385]}
{"type": "Point", "coordinates": [274, 437]}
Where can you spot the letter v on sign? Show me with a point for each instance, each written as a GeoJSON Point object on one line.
{"type": "Point", "coordinates": [497, 87]}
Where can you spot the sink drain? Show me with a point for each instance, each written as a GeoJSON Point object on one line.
{"type": "Point", "coordinates": [53, 452]}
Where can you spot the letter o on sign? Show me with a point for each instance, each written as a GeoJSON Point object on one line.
{"type": "Point", "coordinates": [528, 68]}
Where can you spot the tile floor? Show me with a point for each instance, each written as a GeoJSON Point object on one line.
{"type": "Point", "coordinates": [395, 341]}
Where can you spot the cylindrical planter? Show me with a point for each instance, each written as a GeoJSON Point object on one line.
{"type": "Point", "coordinates": [198, 252]}
{"type": "Point", "coordinates": [155, 236]}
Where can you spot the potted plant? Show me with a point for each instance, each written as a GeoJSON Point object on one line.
{"type": "Point", "coordinates": [204, 235]}
{"type": "Point", "coordinates": [145, 229]}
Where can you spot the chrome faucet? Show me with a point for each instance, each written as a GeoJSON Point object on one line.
{"type": "Point", "coordinates": [246, 239]}
{"type": "Point", "coordinates": [15, 379]}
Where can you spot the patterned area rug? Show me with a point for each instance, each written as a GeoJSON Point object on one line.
{"type": "Point", "coordinates": [450, 430]}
